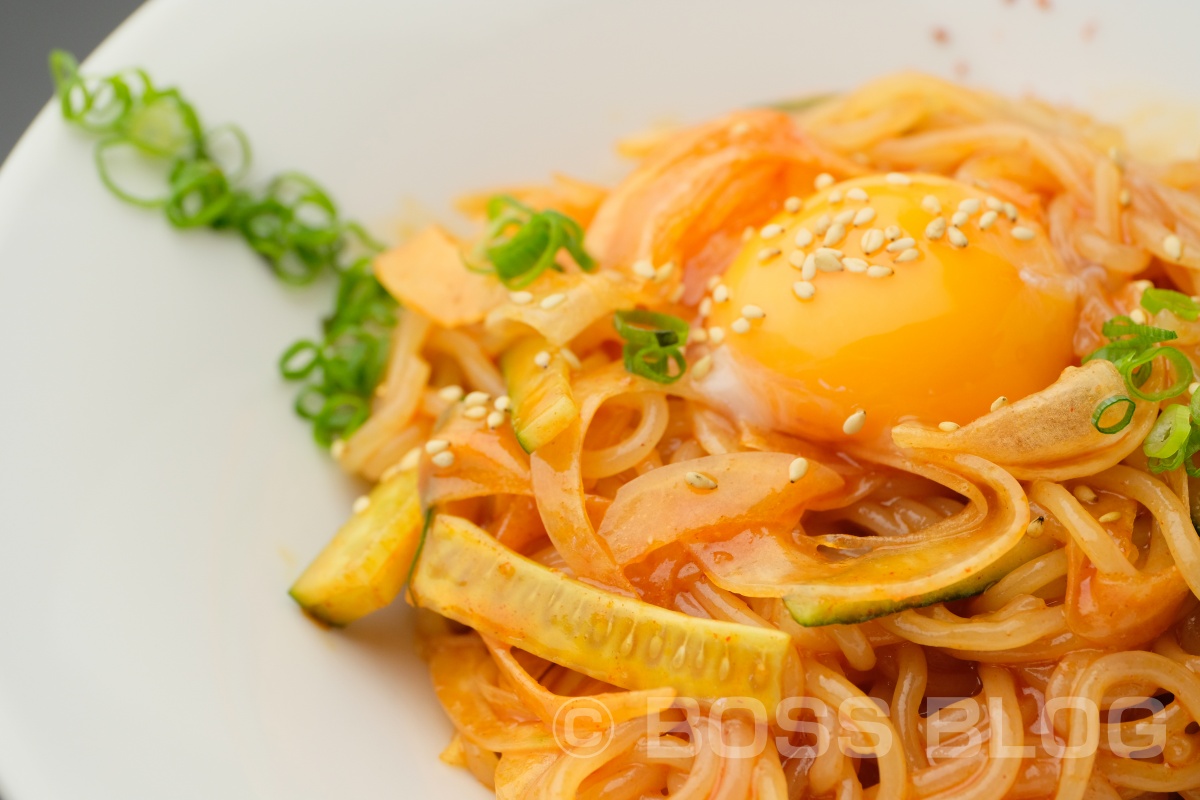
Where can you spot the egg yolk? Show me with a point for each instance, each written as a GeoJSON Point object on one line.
{"type": "Point", "coordinates": [861, 301]}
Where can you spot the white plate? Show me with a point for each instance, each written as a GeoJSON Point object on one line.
{"type": "Point", "coordinates": [157, 494]}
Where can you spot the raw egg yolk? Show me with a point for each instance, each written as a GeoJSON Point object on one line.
{"type": "Point", "coordinates": [901, 296]}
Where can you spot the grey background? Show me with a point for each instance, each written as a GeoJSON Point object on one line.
{"type": "Point", "coordinates": [28, 31]}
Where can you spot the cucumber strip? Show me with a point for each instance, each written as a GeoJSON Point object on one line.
{"type": "Point", "coordinates": [465, 574]}
{"type": "Point", "coordinates": [541, 395]}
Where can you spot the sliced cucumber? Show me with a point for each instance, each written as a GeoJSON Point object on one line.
{"type": "Point", "coordinates": [365, 565]}
{"type": "Point", "coordinates": [465, 574]}
{"type": "Point", "coordinates": [542, 403]}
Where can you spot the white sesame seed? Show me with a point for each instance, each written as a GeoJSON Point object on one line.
{"type": "Point", "coordinates": [698, 480]}
{"type": "Point", "coordinates": [767, 253]}
{"type": "Point", "coordinates": [835, 234]}
{"type": "Point", "coordinates": [495, 419]}
{"type": "Point", "coordinates": [716, 334]}
{"type": "Point", "coordinates": [864, 216]}
{"type": "Point", "coordinates": [1010, 211]}
{"type": "Point", "coordinates": [892, 232]}
{"type": "Point", "coordinates": [999, 403]}
{"type": "Point", "coordinates": [898, 179]}
{"type": "Point", "coordinates": [797, 469]}
{"type": "Point", "coordinates": [854, 423]}
{"type": "Point", "coordinates": [804, 290]}
{"type": "Point", "coordinates": [1084, 494]}
{"type": "Point", "coordinates": [705, 307]}
{"type": "Point", "coordinates": [957, 237]}
{"type": "Point", "coordinates": [770, 231]}
{"type": "Point", "coordinates": [911, 254]}
{"type": "Point", "coordinates": [844, 217]}
{"type": "Point", "coordinates": [361, 504]}
{"type": "Point", "coordinates": [739, 128]}
{"type": "Point", "coordinates": [643, 269]}
{"type": "Point", "coordinates": [542, 359]}
{"type": "Point", "coordinates": [750, 311]}
{"type": "Point", "coordinates": [740, 325]}
{"type": "Point", "coordinates": [1021, 233]}
{"type": "Point", "coordinates": [443, 460]}
{"type": "Point", "coordinates": [697, 335]}
{"type": "Point", "coordinates": [410, 460]}
{"type": "Point", "coordinates": [676, 294]}
{"type": "Point", "coordinates": [804, 237]}
{"type": "Point", "coordinates": [552, 301]}
{"type": "Point", "coordinates": [1115, 155]}
{"type": "Point", "coordinates": [948, 427]}
{"type": "Point", "coordinates": [835, 197]}
{"type": "Point", "coordinates": [936, 228]}
{"type": "Point", "coordinates": [503, 403]}
{"type": "Point", "coordinates": [987, 220]}
{"type": "Point", "coordinates": [823, 181]}
{"type": "Point", "coordinates": [476, 412]}
{"type": "Point", "coordinates": [338, 448]}
{"type": "Point", "coordinates": [792, 205]}
{"type": "Point", "coordinates": [521, 298]}
{"type": "Point", "coordinates": [1111, 516]}
{"type": "Point", "coordinates": [959, 218]}
{"type": "Point", "coordinates": [1173, 247]}
{"type": "Point", "coordinates": [435, 446]}
{"type": "Point", "coordinates": [879, 271]}
{"type": "Point", "coordinates": [970, 205]}
{"type": "Point", "coordinates": [451, 394]}
{"type": "Point", "coordinates": [809, 270]}
{"type": "Point", "coordinates": [828, 260]}
{"type": "Point", "coordinates": [994, 204]}
{"type": "Point", "coordinates": [855, 264]}
{"type": "Point", "coordinates": [568, 355]}
{"type": "Point", "coordinates": [796, 259]}
{"type": "Point", "coordinates": [1124, 198]}
{"type": "Point", "coordinates": [748, 234]}
{"type": "Point", "coordinates": [664, 272]}
{"type": "Point", "coordinates": [1034, 528]}
{"type": "Point", "coordinates": [476, 399]}
{"type": "Point", "coordinates": [857, 193]}
{"type": "Point", "coordinates": [901, 244]}
{"type": "Point", "coordinates": [871, 241]}
{"type": "Point", "coordinates": [720, 293]}
{"type": "Point", "coordinates": [1138, 316]}
{"type": "Point", "coordinates": [931, 204]}
{"type": "Point", "coordinates": [822, 224]}
{"type": "Point", "coordinates": [702, 367]}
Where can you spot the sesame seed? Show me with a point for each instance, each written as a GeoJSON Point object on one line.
{"type": "Point", "coordinates": [664, 272]}
{"type": "Point", "coordinates": [770, 231]}
{"type": "Point", "coordinates": [1010, 211]}
{"type": "Point", "coordinates": [476, 412]}
{"type": "Point", "coordinates": [476, 399]}
{"type": "Point", "coordinates": [702, 367]}
{"type": "Point", "coordinates": [720, 293]}
{"type": "Point", "coordinates": [676, 294]}
{"type": "Point", "coordinates": [1111, 516]}
{"type": "Point", "coordinates": [804, 237]}
{"type": "Point", "coordinates": [495, 420]}
{"type": "Point", "coordinates": [901, 244]}
{"type": "Point", "coordinates": [797, 469]}
{"type": "Point", "coordinates": [451, 394]}
{"type": "Point", "coordinates": [857, 193]}
{"type": "Point", "coordinates": [823, 180]}
{"type": "Point", "coordinates": [931, 204]}
{"type": "Point", "coordinates": [911, 254]}
{"type": "Point", "coordinates": [503, 403]}
{"type": "Point", "coordinates": [750, 311]}
{"type": "Point", "coordinates": [435, 446]}
{"type": "Point", "coordinates": [854, 423]}
{"type": "Point", "coordinates": [959, 218]}
{"type": "Point", "coordinates": [828, 260]}
{"type": "Point", "coordinates": [521, 298]}
{"type": "Point", "coordinates": [809, 270]}
{"type": "Point", "coordinates": [410, 459]}
{"type": "Point", "coordinates": [879, 271]}
{"type": "Point", "coordinates": [845, 217]}
{"type": "Point", "coordinates": [338, 448]}
{"type": "Point", "coordinates": [568, 355]}
{"type": "Point", "coordinates": [1022, 234]}
{"type": "Point", "coordinates": [644, 269]}
{"type": "Point", "coordinates": [994, 204]}
{"type": "Point", "coordinates": [970, 205]}
{"type": "Point", "coordinates": [999, 403]}
{"type": "Point", "coordinates": [1138, 316]}
{"type": "Point", "coordinates": [936, 228]}
{"type": "Point", "coordinates": [1124, 198]}
{"type": "Point", "coordinates": [705, 307]}
{"type": "Point", "coordinates": [948, 427]}
{"type": "Point", "coordinates": [698, 480]}
{"type": "Point", "coordinates": [542, 359]}
{"type": "Point", "coordinates": [1114, 155]}
{"type": "Point", "coordinates": [835, 196]}
{"type": "Point", "coordinates": [716, 334]}
{"type": "Point", "coordinates": [552, 301]}
{"type": "Point", "coordinates": [361, 504]}
{"type": "Point", "coordinates": [804, 290]}
{"type": "Point", "coordinates": [864, 216]}
{"type": "Point", "coordinates": [697, 335]}
{"type": "Point", "coordinates": [871, 241]}
{"type": "Point", "coordinates": [835, 234]}
{"type": "Point", "coordinates": [957, 237]}
{"type": "Point", "coordinates": [1034, 528]}
{"type": "Point", "coordinates": [855, 264]}
{"type": "Point", "coordinates": [792, 205]}
{"type": "Point", "coordinates": [739, 128]}
{"type": "Point", "coordinates": [822, 224]}
{"type": "Point", "coordinates": [898, 179]}
{"type": "Point", "coordinates": [796, 259]}
{"type": "Point", "coordinates": [1084, 494]}
{"type": "Point", "coordinates": [892, 232]}
{"type": "Point", "coordinates": [443, 460]}
{"type": "Point", "coordinates": [987, 220]}
{"type": "Point", "coordinates": [740, 325]}
{"type": "Point", "coordinates": [767, 253]}
{"type": "Point", "coordinates": [1173, 247]}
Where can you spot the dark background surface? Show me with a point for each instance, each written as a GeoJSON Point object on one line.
{"type": "Point", "coordinates": [28, 31]}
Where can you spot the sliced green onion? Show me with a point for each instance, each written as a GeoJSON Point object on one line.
{"type": "Point", "coordinates": [650, 328]}
{"type": "Point", "coordinates": [1170, 432]}
{"type": "Point", "coordinates": [1178, 303]}
{"type": "Point", "coordinates": [1123, 326]}
{"type": "Point", "coordinates": [1120, 425]}
{"type": "Point", "coordinates": [655, 362]}
{"type": "Point", "coordinates": [1136, 370]}
{"type": "Point", "coordinates": [520, 243]}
